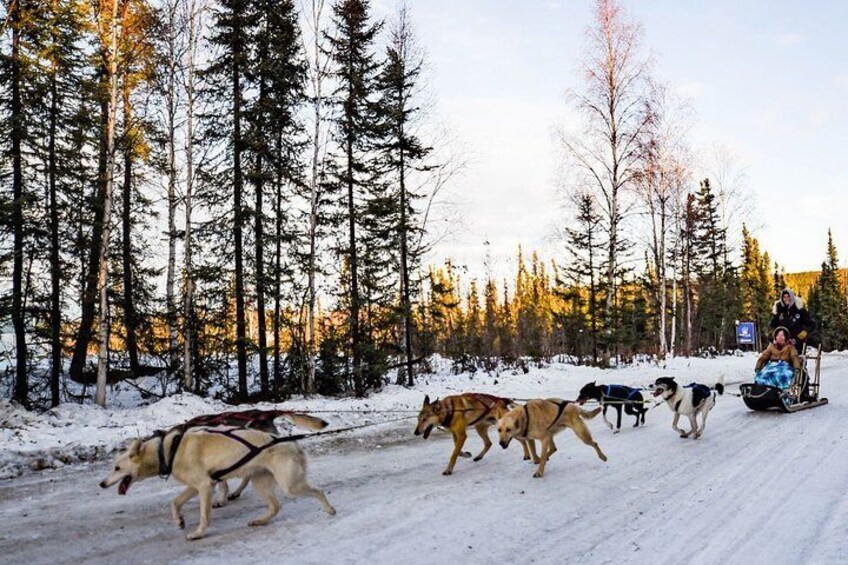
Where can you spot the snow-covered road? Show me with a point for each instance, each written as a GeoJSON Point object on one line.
{"type": "Point", "coordinates": [757, 488]}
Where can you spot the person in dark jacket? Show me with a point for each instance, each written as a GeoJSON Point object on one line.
{"type": "Point", "coordinates": [789, 312]}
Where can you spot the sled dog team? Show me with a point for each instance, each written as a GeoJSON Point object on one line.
{"type": "Point", "coordinates": [207, 451]}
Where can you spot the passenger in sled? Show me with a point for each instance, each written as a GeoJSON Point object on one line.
{"type": "Point", "coordinates": [779, 365]}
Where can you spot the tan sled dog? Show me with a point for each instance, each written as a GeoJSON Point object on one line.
{"type": "Point", "coordinates": [459, 412]}
{"type": "Point", "coordinates": [542, 419]}
{"type": "Point", "coordinates": [199, 457]}
{"type": "Point", "coordinates": [262, 420]}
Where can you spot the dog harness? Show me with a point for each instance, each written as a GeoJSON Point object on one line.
{"type": "Point", "coordinates": [252, 450]}
{"type": "Point", "coordinates": [446, 422]}
{"type": "Point", "coordinates": [620, 392]}
{"type": "Point", "coordinates": [166, 464]}
{"type": "Point", "coordinates": [699, 394]}
{"type": "Point", "coordinates": [560, 409]}
{"type": "Point", "coordinates": [526, 421]}
{"type": "Point", "coordinates": [488, 402]}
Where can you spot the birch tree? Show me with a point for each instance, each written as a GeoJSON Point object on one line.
{"type": "Point", "coordinates": [108, 25]}
{"type": "Point", "coordinates": [610, 102]}
{"type": "Point", "coordinates": [659, 183]}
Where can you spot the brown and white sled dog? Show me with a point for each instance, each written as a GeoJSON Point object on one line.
{"type": "Point", "coordinates": [198, 457]}
{"type": "Point", "coordinates": [542, 419]}
{"type": "Point", "coordinates": [691, 401]}
{"type": "Point", "coordinates": [460, 412]}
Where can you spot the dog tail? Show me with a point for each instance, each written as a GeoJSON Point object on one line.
{"type": "Point", "coordinates": [589, 414]}
{"type": "Point", "coordinates": [304, 420]}
{"type": "Point", "coordinates": [719, 386]}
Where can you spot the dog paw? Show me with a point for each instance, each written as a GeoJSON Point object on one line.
{"type": "Point", "coordinates": [331, 511]}
{"type": "Point", "coordinates": [537, 475]}
{"type": "Point", "coordinates": [603, 458]}
{"type": "Point", "coordinates": [194, 535]}
{"type": "Point", "coordinates": [233, 496]}
{"type": "Point", "coordinates": [616, 430]}
{"type": "Point", "coordinates": [447, 472]}
{"type": "Point", "coordinates": [465, 454]}
{"type": "Point", "coordinates": [257, 522]}
{"type": "Point", "coordinates": [181, 523]}
{"type": "Point", "coordinates": [527, 458]}
{"type": "Point", "coordinates": [219, 504]}
{"type": "Point", "coordinates": [478, 458]}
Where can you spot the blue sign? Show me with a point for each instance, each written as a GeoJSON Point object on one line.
{"type": "Point", "coordinates": [746, 333]}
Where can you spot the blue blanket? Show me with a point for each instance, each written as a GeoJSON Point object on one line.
{"type": "Point", "coordinates": [777, 374]}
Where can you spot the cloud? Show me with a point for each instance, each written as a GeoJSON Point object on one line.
{"type": "Point", "coordinates": [790, 38]}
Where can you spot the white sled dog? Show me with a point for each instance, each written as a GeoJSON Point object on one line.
{"type": "Point", "coordinates": [199, 457]}
{"type": "Point", "coordinates": [690, 401]}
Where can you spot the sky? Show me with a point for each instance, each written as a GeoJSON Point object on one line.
{"type": "Point", "coordinates": [767, 81]}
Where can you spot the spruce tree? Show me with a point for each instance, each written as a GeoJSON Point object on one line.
{"type": "Point", "coordinates": [356, 128]}
{"type": "Point", "coordinates": [756, 284]}
{"type": "Point", "coordinates": [584, 243]}
{"type": "Point", "coordinates": [829, 302]}
{"type": "Point", "coordinates": [228, 84]}
{"type": "Point", "coordinates": [404, 153]}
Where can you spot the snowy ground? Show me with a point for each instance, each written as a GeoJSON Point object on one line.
{"type": "Point", "coordinates": [757, 488]}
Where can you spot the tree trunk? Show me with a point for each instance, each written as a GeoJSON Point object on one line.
{"type": "Point", "coordinates": [130, 320]}
{"type": "Point", "coordinates": [171, 111]}
{"type": "Point", "coordinates": [278, 257]}
{"type": "Point", "coordinates": [593, 299]}
{"type": "Point", "coordinates": [89, 298]}
{"type": "Point", "coordinates": [358, 385]}
{"type": "Point", "coordinates": [238, 185]}
{"type": "Point", "coordinates": [314, 197]}
{"type": "Point", "coordinates": [55, 266]}
{"type": "Point", "coordinates": [188, 298]}
{"type": "Point", "coordinates": [17, 134]}
{"type": "Point", "coordinates": [103, 273]}
{"type": "Point", "coordinates": [673, 309]}
{"type": "Point", "coordinates": [404, 270]}
{"type": "Point", "coordinates": [259, 240]}
{"type": "Point", "coordinates": [661, 267]}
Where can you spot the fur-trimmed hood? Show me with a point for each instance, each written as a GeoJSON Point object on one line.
{"type": "Point", "coordinates": [796, 301]}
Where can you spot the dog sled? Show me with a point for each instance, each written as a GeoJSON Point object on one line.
{"type": "Point", "coordinates": [804, 393]}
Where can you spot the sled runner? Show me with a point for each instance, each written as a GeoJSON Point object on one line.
{"type": "Point", "coordinates": [804, 393]}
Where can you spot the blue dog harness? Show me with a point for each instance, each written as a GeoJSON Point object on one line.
{"type": "Point", "coordinates": [620, 392]}
{"type": "Point", "coordinates": [699, 393]}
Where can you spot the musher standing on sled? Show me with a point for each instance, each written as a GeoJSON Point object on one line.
{"type": "Point", "coordinates": [789, 312]}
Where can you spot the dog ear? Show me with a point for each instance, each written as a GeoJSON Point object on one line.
{"type": "Point", "coordinates": [135, 448]}
{"type": "Point", "coordinates": [427, 399]}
